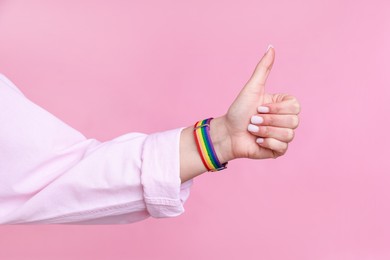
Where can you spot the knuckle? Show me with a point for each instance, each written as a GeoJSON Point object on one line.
{"type": "Point", "coordinates": [282, 149]}
{"type": "Point", "coordinates": [295, 121]}
{"type": "Point", "coordinates": [278, 149]}
{"type": "Point", "coordinates": [297, 107]}
{"type": "Point", "coordinates": [285, 148]}
{"type": "Point", "coordinates": [289, 134]}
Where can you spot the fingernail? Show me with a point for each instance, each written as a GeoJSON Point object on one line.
{"type": "Point", "coordinates": [269, 47]}
{"type": "Point", "coordinates": [262, 109]}
{"type": "Point", "coordinates": [259, 140]}
{"type": "Point", "coordinates": [256, 120]}
{"type": "Point", "coordinates": [253, 128]}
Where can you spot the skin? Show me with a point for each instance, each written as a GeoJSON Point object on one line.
{"type": "Point", "coordinates": [229, 133]}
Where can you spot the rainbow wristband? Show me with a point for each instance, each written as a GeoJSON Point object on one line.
{"type": "Point", "coordinates": [205, 146]}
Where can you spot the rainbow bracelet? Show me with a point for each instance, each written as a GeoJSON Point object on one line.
{"type": "Point", "coordinates": [205, 146]}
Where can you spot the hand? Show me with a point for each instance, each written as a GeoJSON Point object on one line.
{"type": "Point", "coordinates": [276, 130]}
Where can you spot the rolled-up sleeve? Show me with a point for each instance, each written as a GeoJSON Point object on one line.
{"type": "Point", "coordinates": [51, 173]}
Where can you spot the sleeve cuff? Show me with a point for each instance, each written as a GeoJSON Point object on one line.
{"type": "Point", "coordinates": [164, 194]}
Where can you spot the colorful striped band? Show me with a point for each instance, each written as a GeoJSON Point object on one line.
{"type": "Point", "coordinates": [205, 146]}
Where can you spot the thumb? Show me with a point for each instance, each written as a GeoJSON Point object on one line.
{"type": "Point", "coordinates": [256, 83]}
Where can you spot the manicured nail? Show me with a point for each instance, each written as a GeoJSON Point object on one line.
{"type": "Point", "coordinates": [269, 47]}
{"type": "Point", "coordinates": [259, 140]}
{"type": "Point", "coordinates": [262, 109]}
{"type": "Point", "coordinates": [253, 128]}
{"type": "Point", "coordinates": [257, 120]}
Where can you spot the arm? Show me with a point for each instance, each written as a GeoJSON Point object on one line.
{"type": "Point", "coordinates": [50, 173]}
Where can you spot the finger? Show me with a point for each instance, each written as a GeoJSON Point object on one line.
{"type": "Point", "coordinates": [275, 145]}
{"type": "Point", "coordinates": [259, 77]}
{"type": "Point", "coordinates": [280, 133]}
{"type": "Point", "coordinates": [279, 97]}
{"type": "Point", "coordinates": [288, 107]}
{"type": "Point", "coordinates": [288, 121]}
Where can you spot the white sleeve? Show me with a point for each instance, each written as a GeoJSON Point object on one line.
{"type": "Point", "coordinates": [51, 173]}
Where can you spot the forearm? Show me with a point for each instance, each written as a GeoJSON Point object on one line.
{"type": "Point", "coordinates": [191, 164]}
{"type": "Point", "coordinates": [67, 178]}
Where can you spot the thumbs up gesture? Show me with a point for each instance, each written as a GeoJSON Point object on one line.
{"type": "Point", "coordinates": [257, 125]}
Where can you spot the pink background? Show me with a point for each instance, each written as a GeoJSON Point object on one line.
{"type": "Point", "coordinates": [111, 67]}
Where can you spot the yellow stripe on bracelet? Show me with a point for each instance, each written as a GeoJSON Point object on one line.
{"type": "Point", "coordinates": [205, 146]}
{"type": "Point", "coordinates": [204, 149]}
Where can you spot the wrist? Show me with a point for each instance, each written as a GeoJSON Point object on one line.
{"type": "Point", "coordinates": [221, 139]}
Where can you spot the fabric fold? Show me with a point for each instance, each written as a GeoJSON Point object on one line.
{"type": "Point", "coordinates": [51, 173]}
